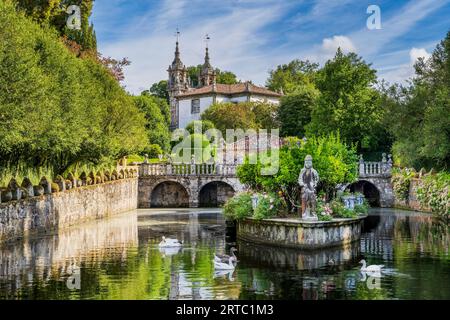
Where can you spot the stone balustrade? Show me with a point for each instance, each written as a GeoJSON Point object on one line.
{"type": "Point", "coordinates": [15, 191]}
{"type": "Point", "coordinates": [382, 168]}
{"type": "Point", "coordinates": [203, 169]}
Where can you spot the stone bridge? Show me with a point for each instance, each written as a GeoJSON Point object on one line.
{"type": "Point", "coordinates": [210, 185]}
{"type": "Point", "coordinates": [186, 185]}
{"type": "Point", "coordinates": [374, 181]}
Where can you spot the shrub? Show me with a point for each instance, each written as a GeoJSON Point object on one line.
{"type": "Point", "coordinates": [334, 161]}
{"type": "Point", "coordinates": [153, 151]}
{"type": "Point", "coordinates": [238, 207]}
{"type": "Point", "coordinates": [340, 211]}
{"type": "Point", "coordinates": [401, 181]}
{"type": "Point", "coordinates": [361, 208]}
{"type": "Point", "coordinates": [433, 191]}
{"type": "Point", "coordinates": [269, 205]}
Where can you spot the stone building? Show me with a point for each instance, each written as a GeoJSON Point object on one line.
{"type": "Point", "coordinates": [188, 102]}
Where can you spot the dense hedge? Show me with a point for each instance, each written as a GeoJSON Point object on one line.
{"type": "Point", "coordinates": [56, 109]}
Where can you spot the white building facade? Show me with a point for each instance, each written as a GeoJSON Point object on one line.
{"type": "Point", "coordinates": [187, 103]}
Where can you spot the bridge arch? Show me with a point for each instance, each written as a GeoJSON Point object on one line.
{"type": "Point", "coordinates": [215, 193]}
{"type": "Point", "coordinates": [368, 189]}
{"type": "Point", "coordinates": [169, 194]}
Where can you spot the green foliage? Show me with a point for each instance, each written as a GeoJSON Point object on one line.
{"type": "Point", "coordinates": [292, 76]}
{"type": "Point", "coordinates": [401, 181]}
{"type": "Point", "coordinates": [197, 145]}
{"type": "Point", "coordinates": [294, 112]}
{"type": "Point", "coordinates": [238, 207]}
{"type": "Point", "coordinates": [56, 109]}
{"type": "Point", "coordinates": [157, 125]}
{"type": "Point", "coordinates": [349, 102]}
{"type": "Point", "coordinates": [433, 192]}
{"type": "Point", "coordinates": [361, 208]}
{"type": "Point", "coordinates": [158, 89]}
{"type": "Point", "coordinates": [51, 13]}
{"type": "Point", "coordinates": [204, 125]}
{"type": "Point", "coordinates": [153, 151]}
{"type": "Point", "coordinates": [223, 77]}
{"type": "Point", "coordinates": [334, 161]}
{"type": "Point", "coordinates": [243, 115]}
{"type": "Point", "coordinates": [340, 211]}
{"type": "Point", "coordinates": [418, 115]}
{"type": "Point", "coordinates": [269, 205]}
{"type": "Point", "coordinates": [323, 210]}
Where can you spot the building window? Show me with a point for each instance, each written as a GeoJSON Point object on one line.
{"type": "Point", "coordinates": [195, 106]}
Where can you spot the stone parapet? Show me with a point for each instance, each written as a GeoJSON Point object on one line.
{"type": "Point", "coordinates": [299, 233]}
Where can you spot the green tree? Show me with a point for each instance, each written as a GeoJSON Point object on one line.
{"type": "Point", "coordinates": [230, 116]}
{"type": "Point", "coordinates": [288, 77]}
{"type": "Point", "coordinates": [53, 13]}
{"type": "Point", "coordinates": [223, 77]}
{"type": "Point", "coordinates": [348, 102]}
{"type": "Point", "coordinates": [205, 125]}
{"type": "Point", "coordinates": [159, 89]}
{"type": "Point", "coordinates": [157, 126]}
{"type": "Point", "coordinates": [418, 115]}
{"type": "Point", "coordinates": [56, 109]}
{"type": "Point", "coordinates": [334, 160]}
{"type": "Point", "coordinates": [226, 77]}
{"type": "Point", "coordinates": [294, 112]}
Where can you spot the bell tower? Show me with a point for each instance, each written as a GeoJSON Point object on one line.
{"type": "Point", "coordinates": [177, 84]}
{"type": "Point", "coordinates": [207, 74]}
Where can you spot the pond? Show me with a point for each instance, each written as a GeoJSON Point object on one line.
{"type": "Point", "coordinates": [119, 258]}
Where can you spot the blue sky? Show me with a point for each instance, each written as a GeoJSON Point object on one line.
{"type": "Point", "coordinates": [250, 37]}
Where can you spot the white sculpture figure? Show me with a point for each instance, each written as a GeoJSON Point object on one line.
{"type": "Point", "coordinates": [308, 180]}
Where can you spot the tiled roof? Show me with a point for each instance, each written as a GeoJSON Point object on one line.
{"type": "Point", "coordinates": [230, 89]}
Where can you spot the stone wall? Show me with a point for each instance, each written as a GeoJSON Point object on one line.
{"type": "Point", "coordinates": [411, 203]}
{"type": "Point", "coordinates": [54, 211]}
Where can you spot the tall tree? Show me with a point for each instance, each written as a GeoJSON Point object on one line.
{"type": "Point", "coordinates": [288, 77]}
{"type": "Point", "coordinates": [294, 112]}
{"type": "Point", "coordinates": [53, 13]}
{"type": "Point", "coordinates": [224, 77]}
{"type": "Point", "coordinates": [348, 102]}
{"type": "Point", "coordinates": [157, 125]}
{"type": "Point", "coordinates": [159, 89]}
{"type": "Point", "coordinates": [418, 115]}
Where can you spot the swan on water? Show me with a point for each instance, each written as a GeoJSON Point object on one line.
{"type": "Point", "coordinates": [218, 265]}
{"type": "Point", "coordinates": [224, 257]}
{"type": "Point", "coordinates": [169, 243]}
{"type": "Point", "coordinates": [374, 268]}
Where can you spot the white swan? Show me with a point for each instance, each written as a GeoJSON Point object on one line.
{"type": "Point", "coordinates": [218, 265]}
{"type": "Point", "coordinates": [374, 268]}
{"type": "Point", "coordinates": [224, 257]}
{"type": "Point", "coordinates": [169, 243]}
{"type": "Point", "coordinates": [169, 251]}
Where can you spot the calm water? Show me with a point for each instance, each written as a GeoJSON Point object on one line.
{"type": "Point", "coordinates": [119, 258]}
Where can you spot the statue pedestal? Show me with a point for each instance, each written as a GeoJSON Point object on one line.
{"type": "Point", "coordinates": [302, 234]}
{"type": "Point", "coordinates": [310, 218]}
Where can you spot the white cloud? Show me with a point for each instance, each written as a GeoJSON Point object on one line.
{"type": "Point", "coordinates": [416, 53]}
{"type": "Point", "coordinates": [235, 45]}
{"type": "Point", "coordinates": [330, 45]}
{"type": "Point", "coordinates": [402, 72]}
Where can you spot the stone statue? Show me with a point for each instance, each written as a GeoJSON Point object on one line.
{"type": "Point", "coordinates": [308, 180]}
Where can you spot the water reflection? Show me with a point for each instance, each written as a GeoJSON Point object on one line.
{"type": "Point", "coordinates": [119, 258]}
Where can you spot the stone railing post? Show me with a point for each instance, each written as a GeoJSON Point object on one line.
{"type": "Point", "coordinates": [361, 165]}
